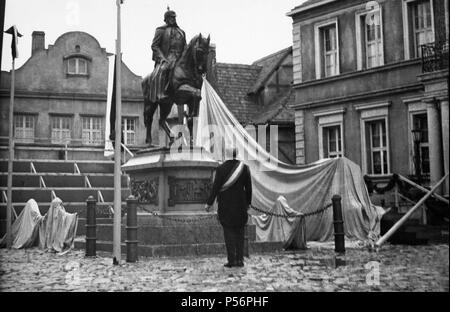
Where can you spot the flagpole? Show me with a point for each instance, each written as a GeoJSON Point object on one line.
{"type": "Point", "coordinates": [117, 147]}
{"type": "Point", "coordinates": [11, 158]}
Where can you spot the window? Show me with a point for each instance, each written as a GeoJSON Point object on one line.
{"type": "Point", "coordinates": [77, 66]}
{"type": "Point", "coordinates": [369, 34]}
{"type": "Point", "coordinates": [92, 132]}
{"type": "Point", "coordinates": [327, 49]}
{"type": "Point", "coordinates": [419, 121]}
{"type": "Point", "coordinates": [129, 130]}
{"type": "Point", "coordinates": [377, 147]}
{"type": "Point", "coordinates": [418, 26]}
{"type": "Point", "coordinates": [61, 129]}
{"type": "Point", "coordinates": [332, 142]}
{"type": "Point", "coordinates": [422, 25]}
{"type": "Point", "coordinates": [330, 133]}
{"type": "Point", "coordinates": [375, 158]}
{"type": "Point", "coordinates": [24, 128]}
{"type": "Point", "coordinates": [374, 48]}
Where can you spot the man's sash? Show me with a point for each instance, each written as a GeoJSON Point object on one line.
{"type": "Point", "coordinates": [237, 171]}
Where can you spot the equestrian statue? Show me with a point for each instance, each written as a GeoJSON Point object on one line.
{"type": "Point", "coordinates": [176, 78]}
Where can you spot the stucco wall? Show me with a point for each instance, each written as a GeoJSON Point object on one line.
{"type": "Point", "coordinates": [43, 87]}
{"type": "Point", "coordinates": [359, 83]}
{"type": "Point", "coordinates": [345, 12]}
{"type": "Point", "coordinates": [397, 127]}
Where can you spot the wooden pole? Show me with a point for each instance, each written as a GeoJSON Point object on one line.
{"type": "Point", "coordinates": [409, 213]}
{"type": "Point", "coordinates": [10, 159]}
{"type": "Point", "coordinates": [423, 189]}
{"type": "Point", "coordinates": [117, 146]}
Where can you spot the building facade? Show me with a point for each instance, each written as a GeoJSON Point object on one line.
{"type": "Point", "coordinates": [60, 100]}
{"type": "Point", "coordinates": [61, 96]}
{"type": "Point", "coordinates": [368, 73]}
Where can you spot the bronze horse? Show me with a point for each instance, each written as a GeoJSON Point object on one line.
{"type": "Point", "coordinates": [184, 87]}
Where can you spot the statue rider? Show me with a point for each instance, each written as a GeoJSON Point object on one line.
{"type": "Point", "coordinates": [167, 46]}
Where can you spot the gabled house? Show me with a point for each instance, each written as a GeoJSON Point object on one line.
{"type": "Point", "coordinates": [60, 100]}
{"type": "Point", "coordinates": [261, 94]}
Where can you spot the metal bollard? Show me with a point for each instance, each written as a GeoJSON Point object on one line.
{"type": "Point", "coordinates": [91, 227]}
{"type": "Point", "coordinates": [339, 239]}
{"type": "Point", "coordinates": [132, 240]}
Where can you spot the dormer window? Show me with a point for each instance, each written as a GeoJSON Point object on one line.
{"type": "Point", "coordinates": [77, 66]}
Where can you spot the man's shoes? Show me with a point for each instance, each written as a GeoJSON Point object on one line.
{"type": "Point", "coordinates": [240, 264]}
{"type": "Point", "coordinates": [228, 265]}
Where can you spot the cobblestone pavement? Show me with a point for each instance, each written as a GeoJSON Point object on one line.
{"type": "Point", "coordinates": [401, 268]}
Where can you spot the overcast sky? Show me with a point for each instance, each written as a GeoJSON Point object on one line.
{"type": "Point", "coordinates": [243, 30]}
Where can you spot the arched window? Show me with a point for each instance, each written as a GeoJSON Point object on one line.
{"type": "Point", "coordinates": [77, 64]}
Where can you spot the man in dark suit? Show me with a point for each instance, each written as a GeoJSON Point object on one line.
{"type": "Point", "coordinates": [233, 189]}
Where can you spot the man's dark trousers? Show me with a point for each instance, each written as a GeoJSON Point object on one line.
{"type": "Point", "coordinates": [233, 204]}
{"type": "Point", "coordinates": [234, 242]}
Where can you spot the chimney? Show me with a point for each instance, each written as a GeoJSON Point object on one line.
{"type": "Point", "coordinates": [38, 41]}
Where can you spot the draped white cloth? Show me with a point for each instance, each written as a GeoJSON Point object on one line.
{"type": "Point", "coordinates": [55, 231]}
{"type": "Point", "coordinates": [25, 230]}
{"type": "Point", "coordinates": [60, 228]}
{"type": "Point", "coordinates": [306, 188]}
{"type": "Point", "coordinates": [289, 229]}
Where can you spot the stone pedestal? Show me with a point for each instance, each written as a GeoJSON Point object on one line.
{"type": "Point", "coordinates": [176, 185]}
{"type": "Point", "coordinates": [170, 181]}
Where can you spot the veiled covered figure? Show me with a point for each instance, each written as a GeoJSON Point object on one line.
{"type": "Point", "coordinates": [60, 228]}
{"type": "Point", "coordinates": [26, 228]}
{"type": "Point", "coordinates": [55, 231]}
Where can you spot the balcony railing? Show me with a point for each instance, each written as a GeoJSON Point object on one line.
{"type": "Point", "coordinates": [434, 56]}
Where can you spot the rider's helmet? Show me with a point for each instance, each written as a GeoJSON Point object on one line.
{"type": "Point", "coordinates": [169, 13]}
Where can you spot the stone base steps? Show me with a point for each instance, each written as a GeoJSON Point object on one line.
{"type": "Point", "coordinates": [58, 166]}
{"type": "Point", "coordinates": [61, 180]}
{"type": "Point", "coordinates": [81, 230]}
{"type": "Point", "coordinates": [182, 250]}
{"type": "Point", "coordinates": [420, 235]}
{"type": "Point", "coordinates": [166, 236]}
{"type": "Point", "coordinates": [172, 235]}
{"type": "Point", "coordinates": [412, 232]}
{"type": "Point", "coordinates": [429, 233]}
{"type": "Point", "coordinates": [102, 209]}
{"type": "Point", "coordinates": [66, 194]}
{"type": "Point", "coordinates": [173, 218]}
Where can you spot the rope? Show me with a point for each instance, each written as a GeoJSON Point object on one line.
{"type": "Point", "coordinates": [185, 221]}
{"type": "Point", "coordinates": [181, 220]}
{"type": "Point", "coordinates": [203, 218]}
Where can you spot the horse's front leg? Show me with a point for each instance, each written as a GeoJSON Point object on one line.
{"type": "Point", "coordinates": [164, 113]}
{"type": "Point", "coordinates": [181, 114]}
{"type": "Point", "coordinates": [149, 111]}
{"type": "Point", "coordinates": [193, 112]}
